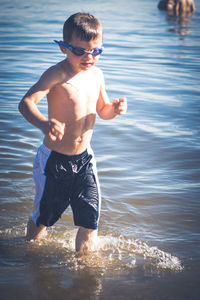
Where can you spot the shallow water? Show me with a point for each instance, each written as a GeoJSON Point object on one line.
{"type": "Point", "coordinates": [148, 160]}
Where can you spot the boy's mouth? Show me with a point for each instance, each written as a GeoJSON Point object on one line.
{"type": "Point", "coordinates": [87, 64]}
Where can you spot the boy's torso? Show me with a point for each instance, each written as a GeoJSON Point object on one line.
{"type": "Point", "coordinates": [73, 101]}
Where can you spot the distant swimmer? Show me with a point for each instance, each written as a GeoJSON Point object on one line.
{"type": "Point", "coordinates": [177, 7]}
{"type": "Point", "coordinates": [64, 168]}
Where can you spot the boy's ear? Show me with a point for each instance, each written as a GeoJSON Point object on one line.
{"type": "Point", "coordinates": [63, 49]}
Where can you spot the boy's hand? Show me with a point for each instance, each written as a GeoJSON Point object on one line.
{"type": "Point", "coordinates": [54, 129]}
{"type": "Point", "coordinates": [120, 106]}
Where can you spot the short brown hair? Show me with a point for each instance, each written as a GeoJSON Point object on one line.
{"type": "Point", "coordinates": [85, 26]}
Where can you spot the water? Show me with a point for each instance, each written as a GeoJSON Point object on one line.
{"type": "Point", "coordinates": [148, 160]}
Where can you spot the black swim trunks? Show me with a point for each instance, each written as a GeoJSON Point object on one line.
{"type": "Point", "coordinates": [63, 180]}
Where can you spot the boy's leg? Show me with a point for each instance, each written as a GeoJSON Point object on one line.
{"type": "Point", "coordinates": [86, 240]}
{"type": "Point", "coordinates": [33, 231]}
{"type": "Point", "coordinates": [89, 189]}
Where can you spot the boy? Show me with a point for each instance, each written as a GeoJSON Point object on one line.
{"type": "Point", "coordinates": [64, 167]}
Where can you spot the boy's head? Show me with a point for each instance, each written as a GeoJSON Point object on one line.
{"type": "Point", "coordinates": [82, 41]}
{"type": "Point", "coordinates": [82, 25]}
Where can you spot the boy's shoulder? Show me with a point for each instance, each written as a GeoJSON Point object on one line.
{"type": "Point", "coordinates": [57, 73]}
{"type": "Point", "coordinates": [56, 70]}
{"type": "Point", "coordinates": [54, 74]}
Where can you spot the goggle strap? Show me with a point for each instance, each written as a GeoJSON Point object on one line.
{"type": "Point", "coordinates": [62, 44]}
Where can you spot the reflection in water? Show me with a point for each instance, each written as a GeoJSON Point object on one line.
{"type": "Point", "coordinates": [180, 24]}
{"type": "Point", "coordinates": [178, 14]}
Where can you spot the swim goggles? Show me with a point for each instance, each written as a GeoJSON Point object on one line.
{"type": "Point", "coordinates": [80, 51]}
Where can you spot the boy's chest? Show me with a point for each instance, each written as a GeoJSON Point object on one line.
{"type": "Point", "coordinates": [76, 97]}
{"type": "Point", "coordinates": [83, 89]}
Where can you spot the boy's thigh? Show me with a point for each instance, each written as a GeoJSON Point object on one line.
{"type": "Point", "coordinates": [86, 200]}
{"type": "Point", "coordinates": [54, 201]}
{"type": "Point", "coordinates": [51, 189]}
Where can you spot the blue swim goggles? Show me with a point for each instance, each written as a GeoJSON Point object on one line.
{"type": "Point", "coordinates": [80, 51]}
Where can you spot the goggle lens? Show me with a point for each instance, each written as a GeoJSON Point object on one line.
{"type": "Point", "coordinates": [80, 51]}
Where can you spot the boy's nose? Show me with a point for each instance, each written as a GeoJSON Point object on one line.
{"type": "Point", "coordinates": [88, 54]}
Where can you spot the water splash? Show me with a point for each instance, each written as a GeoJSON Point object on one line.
{"type": "Point", "coordinates": [131, 251]}
{"type": "Point", "coordinates": [114, 253]}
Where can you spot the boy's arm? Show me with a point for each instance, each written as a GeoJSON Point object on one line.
{"type": "Point", "coordinates": [28, 106]}
{"type": "Point", "coordinates": [107, 110]}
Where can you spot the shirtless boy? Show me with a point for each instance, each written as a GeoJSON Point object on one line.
{"type": "Point", "coordinates": [64, 168]}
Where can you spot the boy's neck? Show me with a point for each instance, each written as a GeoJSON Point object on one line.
{"type": "Point", "coordinates": [72, 71]}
